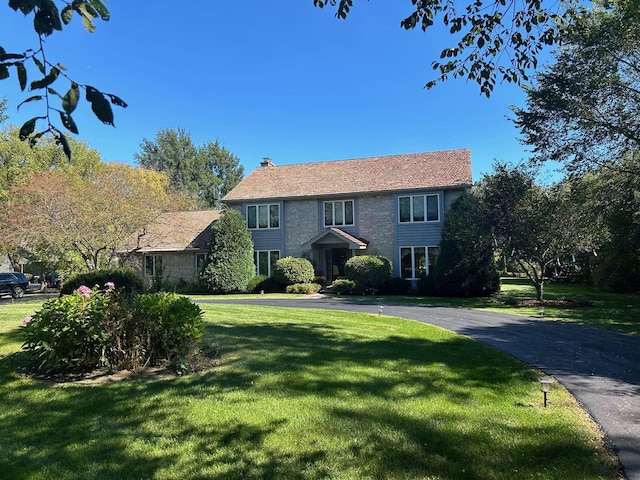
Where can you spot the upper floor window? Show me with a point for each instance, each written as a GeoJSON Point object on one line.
{"type": "Point", "coordinates": [337, 213]}
{"type": "Point", "coordinates": [263, 216]}
{"type": "Point", "coordinates": [419, 208]}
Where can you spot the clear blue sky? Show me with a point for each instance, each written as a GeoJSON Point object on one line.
{"type": "Point", "coordinates": [279, 79]}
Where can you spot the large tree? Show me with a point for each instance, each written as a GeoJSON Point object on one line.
{"type": "Point", "coordinates": [534, 227]}
{"type": "Point", "coordinates": [207, 172]}
{"type": "Point", "coordinates": [584, 109]}
{"type": "Point", "coordinates": [89, 216]}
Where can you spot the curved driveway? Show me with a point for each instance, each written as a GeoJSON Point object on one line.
{"type": "Point", "coordinates": [600, 368]}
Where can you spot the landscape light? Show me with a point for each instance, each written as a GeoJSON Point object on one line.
{"type": "Point", "coordinates": [545, 387]}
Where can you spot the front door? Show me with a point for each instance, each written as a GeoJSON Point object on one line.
{"type": "Point", "coordinates": [336, 258]}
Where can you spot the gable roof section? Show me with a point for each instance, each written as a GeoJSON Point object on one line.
{"type": "Point", "coordinates": [450, 168]}
{"type": "Point", "coordinates": [174, 231]}
{"type": "Point", "coordinates": [338, 235]}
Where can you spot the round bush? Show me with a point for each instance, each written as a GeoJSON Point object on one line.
{"type": "Point", "coordinates": [304, 288]}
{"type": "Point", "coordinates": [124, 279]}
{"type": "Point", "coordinates": [370, 272]}
{"type": "Point", "coordinates": [290, 270]}
{"type": "Point", "coordinates": [343, 287]}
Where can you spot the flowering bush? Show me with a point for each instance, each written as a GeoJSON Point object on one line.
{"type": "Point", "coordinates": [103, 327]}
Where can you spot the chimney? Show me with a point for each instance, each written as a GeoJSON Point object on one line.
{"type": "Point", "coordinates": [267, 162]}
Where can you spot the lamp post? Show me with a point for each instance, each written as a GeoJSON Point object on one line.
{"type": "Point", "coordinates": [545, 387]}
{"type": "Point", "coordinates": [380, 308]}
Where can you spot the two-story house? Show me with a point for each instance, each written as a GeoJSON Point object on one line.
{"type": "Point", "coordinates": [330, 211]}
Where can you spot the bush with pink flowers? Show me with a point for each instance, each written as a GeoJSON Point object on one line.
{"type": "Point", "coordinates": [105, 327]}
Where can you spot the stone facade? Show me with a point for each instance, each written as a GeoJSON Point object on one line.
{"type": "Point", "coordinates": [301, 224]}
{"type": "Point", "coordinates": [377, 224]}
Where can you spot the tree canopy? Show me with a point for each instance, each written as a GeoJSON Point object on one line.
{"type": "Point", "coordinates": [584, 109]}
{"type": "Point", "coordinates": [207, 172]}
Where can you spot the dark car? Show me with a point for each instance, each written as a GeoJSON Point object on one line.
{"type": "Point", "coordinates": [13, 283]}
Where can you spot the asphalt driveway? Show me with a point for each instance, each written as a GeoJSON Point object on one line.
{"type": "Point", "coordinates": [600, 368]}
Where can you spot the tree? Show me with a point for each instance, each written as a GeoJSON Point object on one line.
{"type": "Point", "coordinates": [208, 172]}
{"type": "Point", "coordinates": [534, 227]}
{"type": "Point", "coordinates": [56, 213]}
{"type": "Point", "coordinates": [609, 201]}
{"type": "Point", "coordinates": [466, 265]}
{"type": "Point", "coordinates": [584, 109]}
{"type": "Point", "coordinates": [497, 40]}
{"type": "Point", "coordinates": [47, 19]}
{"type": "Point", "coordinates": [229, 266]}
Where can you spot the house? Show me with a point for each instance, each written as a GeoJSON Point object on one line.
{"type": "Point", "coordinates": [330, 211]}
{"type": "Point", "coordinates": [173, 247]}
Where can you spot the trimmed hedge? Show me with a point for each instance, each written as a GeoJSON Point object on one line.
{"type": "Point", "coordinates": [291, 270]}
{"type": "Point", "coordinates": [370, 272]}
{"type": "Point", "coordinates": [304, 288]}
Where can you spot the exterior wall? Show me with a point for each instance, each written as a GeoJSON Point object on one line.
{"type": "Point", "coordinates": [175, 266]}
{"type": "Point", "coordinates": [377, 225]}
{"type": "Point", "coordinates": [450, 196]}
{"type": "Point", "coordinates": [301, 225]}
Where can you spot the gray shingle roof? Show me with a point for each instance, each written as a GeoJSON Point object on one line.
{"type": "Point", "coordinates": [449, 168]}
{"type": "Point", "coordinates": [174, 231]}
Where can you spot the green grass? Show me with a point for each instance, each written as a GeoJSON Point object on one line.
{"type": "Point", "coordinates": [306, 395]}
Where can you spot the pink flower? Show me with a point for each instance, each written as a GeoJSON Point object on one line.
{"type": "Point", "coordinates": [26, 320]}
{"type": "Point", "coordinates": [84, 291]}
{"type": "Point", "coordinates": [109, 286]}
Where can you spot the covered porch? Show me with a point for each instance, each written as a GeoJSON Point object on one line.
{"type": "Point", "coordinates": [331, 249]}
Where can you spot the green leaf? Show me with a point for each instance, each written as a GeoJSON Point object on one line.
{"type": "Point", "coordinates": [61, 140]}
{"type": "Point", "coordinates": [47, 18]}
{"type": "Point", "coordinates": [70, 99]}
{"type": "Point", "coordinates": [100, 106]}
{"type": "Point", "coordinates": [68, 123]}
{"type": "Point", "coordinates": [46, 81]}
{"type": "Point", "coordinates": [87, 18]}
{"type": "Point", "coordinates": [28, 127]}
{"type": "Point", "coordinates": [22, 75]}
{"type": "Point", "coordinates": [10, 56]}
{"type": "Point", "coordinates": [67, 14]}
{"type": "Point", "coordinates": [25, 6]}
{"type": "Point", "coordinates": [31, 99]}
{"type": "Point", "coordinates": [40, 65]}
{"type": "Point", "coordinates": [117, 101]}
{"type": "Point", "coordinates": [53, 92]}
{"type": "Point", "coordinates": [4, 72]}
{"type": "Point", "coordinates": [101, 9]}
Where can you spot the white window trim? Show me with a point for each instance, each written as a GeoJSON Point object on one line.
{"type": "Point", "coordinates": [413, 259]}
{"type": "Point", "coordinates": [333, 202]}
{"type": "Point", "coordinates": [268, 205]}
{"type": "Point", "coordinates": [411, 197]}
{"type": "Point", "coordinates": [154, 257]}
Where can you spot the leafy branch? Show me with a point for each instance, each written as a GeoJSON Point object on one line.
{"type": "Point", "coordinates": [497, 39]}
{"type": "Point", "coordinates": [47, 19]}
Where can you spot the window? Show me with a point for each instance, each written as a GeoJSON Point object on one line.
{"type": "Point", "coordinates": [263, 216]}
{"type": "Point", "coordinates": [200, 259]}
{"type": "Point", "coordinates": [417, 262]}
{"type": "Point", "coordinates": [153, 265]}
{"type": "Point", "coordinates": [265, 261]}
{"type": "Point", "coordinates": [419, 208]}
{"type": "Point", "coordinates": [338, 213]}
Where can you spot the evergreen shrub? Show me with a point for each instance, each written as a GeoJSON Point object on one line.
{"type": "Point", "coordinates": [291, 270]}
{"type": "Point", "coordinates": [370, 272]}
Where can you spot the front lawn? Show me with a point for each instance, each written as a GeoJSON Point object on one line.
{"type": "Point", "coordinates": [302, 394]}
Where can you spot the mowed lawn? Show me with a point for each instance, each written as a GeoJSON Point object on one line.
{"type": "Point", "coordinates": [301, 394]}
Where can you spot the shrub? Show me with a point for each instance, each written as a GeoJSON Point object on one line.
{"type": "Point", "coordinates": [92, 328]}
{"type": "Point", "coordinates": [343, 287]}
{"type": "Point", "coordinates": [262, 283]}
{"type": "Point", "coordinates": [303, 288]}
{"type": "Point", "coordinates": [397, 286]}
{"type": "Point", "coordinates": [125, 279]}
{"type": "Point", "coordinates": [290, 270]}
{"type": "Point", "coordinates": [370, 272]}
{"type": "Point", "coordinates": [229, 266]}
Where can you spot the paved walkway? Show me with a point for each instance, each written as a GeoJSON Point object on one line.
{"type": "Point", "coordinates": [600, 368]}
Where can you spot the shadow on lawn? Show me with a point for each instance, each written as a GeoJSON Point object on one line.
{"type": "Point", "coordinates": [139, 429]}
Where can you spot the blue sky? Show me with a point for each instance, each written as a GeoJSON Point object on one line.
{"type": "Point", "coordinates": [280, 79]}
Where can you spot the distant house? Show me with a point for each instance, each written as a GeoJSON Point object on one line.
{"type": "Point", "coordinates": [330, 211]}
{"type": "Point", "coordinates": [173, 247]}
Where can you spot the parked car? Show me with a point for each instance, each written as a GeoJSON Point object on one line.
{"type": "Point", "coordinates": [13, 283]}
